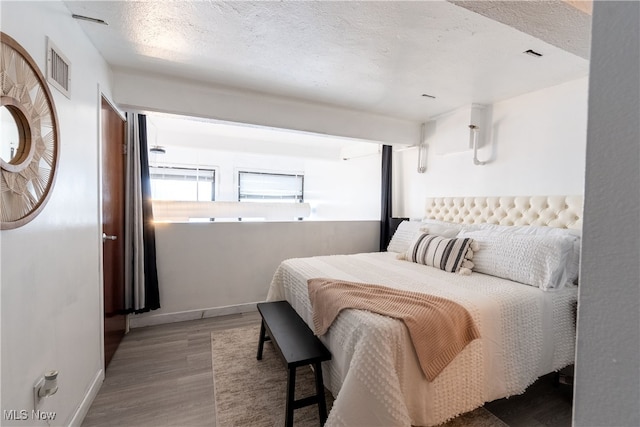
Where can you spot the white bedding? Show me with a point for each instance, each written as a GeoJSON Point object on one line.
{"type": "Point", "coordinates": [374, 372]}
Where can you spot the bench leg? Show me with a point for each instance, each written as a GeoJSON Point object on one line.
{"type": "Point", "coordinates": [322, 404]}
{"type": "Point", "coordinates": [261, 341]}
{"type": "Point", "coordinates": [291, 397]}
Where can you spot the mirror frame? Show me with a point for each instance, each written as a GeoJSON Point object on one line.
{"type": "Point", "coordinates": [25, 185]}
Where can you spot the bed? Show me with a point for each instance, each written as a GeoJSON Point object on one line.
{"type": "Point", "coordinates": [525, 331]}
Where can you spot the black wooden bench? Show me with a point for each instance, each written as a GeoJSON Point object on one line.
{"type": "Point", "coordinates": [298, 346]}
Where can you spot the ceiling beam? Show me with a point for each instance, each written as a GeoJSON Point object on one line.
{"type": "Point", "coordinates": [565, 24]}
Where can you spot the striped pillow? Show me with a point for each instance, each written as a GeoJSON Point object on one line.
{"type": "Point", "coordinates": [452, 255]}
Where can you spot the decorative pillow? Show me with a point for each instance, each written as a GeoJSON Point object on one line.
{"type": "Point", "coordinates": [452, 255]}
{"type": "Point", "coordinates": [573, 261]}
{"type": "Point", "coordinates": [535, 260]}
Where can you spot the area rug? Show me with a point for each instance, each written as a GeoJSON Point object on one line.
{"type": "Point", "coordinates": [251, 392]}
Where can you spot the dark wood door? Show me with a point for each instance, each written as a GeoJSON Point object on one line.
{"type": "Point", "coordinates": [113, 194]}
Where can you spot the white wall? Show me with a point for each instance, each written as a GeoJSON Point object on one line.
{"type": "Point", "coordinates": [607, 384]}
{"type": "Point", "coordinates": [344, 190]}
{"type": "Point", "coordinates": [204, 268]}
{"type": "Point", "coordinates": [335, 189]}
{"type": "Point", "coordinates": [51, 313]}
{"type": "Point", "coordinates": [171, 95]}
{"type": "Point", "coordinates": [536, 146]}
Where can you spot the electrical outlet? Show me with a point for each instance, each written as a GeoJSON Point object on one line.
{"type": "Point", "coordinates": [37, 400]}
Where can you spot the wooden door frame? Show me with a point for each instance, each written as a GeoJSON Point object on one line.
{"type": "Point", "coordinates": [101, 96]}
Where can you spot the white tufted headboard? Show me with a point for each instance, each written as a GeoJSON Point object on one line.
{"type": "Point", "coordinates": [552, 211]}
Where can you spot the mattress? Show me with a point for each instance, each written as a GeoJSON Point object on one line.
{"type": "Point", "coordinates": [374, 373]}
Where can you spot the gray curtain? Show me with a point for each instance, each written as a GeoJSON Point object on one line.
{"type": "Point", "coordinates": [141, 276]}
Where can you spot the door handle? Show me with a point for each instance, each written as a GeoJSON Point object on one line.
{"type": "Point", "coordinates": [106, 237]}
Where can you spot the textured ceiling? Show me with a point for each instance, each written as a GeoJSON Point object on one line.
{"type": "Point", "coordinates": [378, 57]}
{"type": "Point", "coordinates": [564, 24]}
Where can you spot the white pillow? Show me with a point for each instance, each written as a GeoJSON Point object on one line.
{"type": "Point", "coordinates": [442, 230]}
{"type": "Point", "coordinates": [573, 261]}
{"type": "Point", "coordinates": [408, 231]}
{"type": "Point", "coordinates": [404, 235]}
{"type": "Point", "coordinates": [536, 260]}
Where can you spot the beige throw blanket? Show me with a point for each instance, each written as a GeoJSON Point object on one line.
{"type": "Point", "coordinates": [439, 328]}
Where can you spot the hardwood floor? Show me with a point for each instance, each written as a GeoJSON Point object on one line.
{"type": "Point", "coordinates": [161, 376]}
{"type": "Point", "coordinates": [544, 404]}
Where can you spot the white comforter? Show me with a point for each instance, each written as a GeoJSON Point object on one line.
{"type": "Point", "coordinates": [375, 374]}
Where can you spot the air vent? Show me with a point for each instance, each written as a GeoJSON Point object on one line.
{"type": "Point", "coordinates": [58, 69]}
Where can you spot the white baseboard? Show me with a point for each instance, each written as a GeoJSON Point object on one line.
{"type": "Point", "coordinates": [139, 321]}
{"type": "Point", "coordinates": [83, 408]}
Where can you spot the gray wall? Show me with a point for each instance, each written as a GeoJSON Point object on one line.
{"type": "Point", "coordinates": [608, 362]}
{"type": "Point", "coordinates": [209, 269]}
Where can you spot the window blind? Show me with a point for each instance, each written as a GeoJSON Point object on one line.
{"type": "Point", "coordinates": [258, 186]}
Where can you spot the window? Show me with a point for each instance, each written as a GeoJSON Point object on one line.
{"type": "Point", "coordinates": [184, 184]}
{"type": "Point", "coordinates": [270, 187]}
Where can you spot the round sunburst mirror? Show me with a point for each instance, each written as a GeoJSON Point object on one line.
{"type": "Point", "coordinates": [28, 137]}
